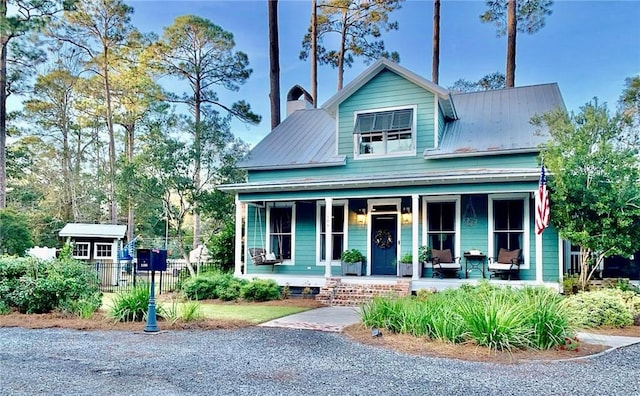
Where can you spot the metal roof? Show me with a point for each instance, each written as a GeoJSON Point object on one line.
{"type": "Point", "coordinates": [306, 139]}
{"type": "Point", "coordinates": [443, 95]}
{"type": "Point", "coordinates": [497, 122]}
{"type": "Point", "coordinates": [93, 230]}
{"type": "Point", "coordinates": [467, 175]}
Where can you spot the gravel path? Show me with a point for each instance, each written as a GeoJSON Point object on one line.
{"type": "Point", "coordinates": [272, 361]}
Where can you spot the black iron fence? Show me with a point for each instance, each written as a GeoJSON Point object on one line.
{"type": "Point", "coordinates": [123, 276]}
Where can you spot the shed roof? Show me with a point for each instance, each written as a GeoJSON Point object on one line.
{"type": "Point", "coordinates": [497, 121]}
{"type": "Point", "coordinates": [304, 139]}
{"type": "Point", "coordinates": [114, 231]}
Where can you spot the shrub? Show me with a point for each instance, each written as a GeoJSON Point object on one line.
{"type": "Point", "coordinates": [32, 286]}
{"type": "Point", "coordinates": [199, 288]}
{"type": "Point", "coordinates": [260, 290]}
{"type": "Point", "coordinates": [213, 285]}
{"type": "Point", "coordinates": [132, 306]}
{"type": "Point", "coordinates": [604, 307]}
{"type": "Point", "coordinates": [4, 308]}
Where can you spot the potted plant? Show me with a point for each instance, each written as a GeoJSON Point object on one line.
{"type": "Point", "coordinates": [406, 265]}
{"type": "Point", "coordinates": [424, 254]}
{"type": "Point", "coordinates": [351, 261]}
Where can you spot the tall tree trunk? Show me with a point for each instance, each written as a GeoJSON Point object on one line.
{"type": "Point", "coordinates": [198, 158]}
{"type": "Point", "coordinates": [113, 212]}
{"type": "Point", "coordinates": [511, 44]}
{"type": "Point", "coordinates": [4, 40]}
{"type": "Point", "coordinates": [130, 215]}
{"type": "Point", "coordinates": [343, 39]}
{"type": "Point", "coordinates": [274, 60]}
{"type": "Point", "coordinates": [314, 53]}
{"type": "Point", "coordinates": [435, 61]}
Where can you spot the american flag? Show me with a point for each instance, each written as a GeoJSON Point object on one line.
{"type": "Point", "coordinates": [542, 204]}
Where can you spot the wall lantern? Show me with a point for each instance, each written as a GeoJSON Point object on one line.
{"type": "Point", "coordinates": [361, 216]}
{"type": "Point", "coordinates": [406, 214]}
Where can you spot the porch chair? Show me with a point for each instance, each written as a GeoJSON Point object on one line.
{"type": "Point", "coordinates": [259, 256]}
{"type": "Point", "coordinates": [506, 265]}
{"type": "Point", "coordinates": [445, 264]}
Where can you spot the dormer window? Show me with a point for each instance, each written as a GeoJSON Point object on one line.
{"type": "Point", "coordinates": [387, 132]}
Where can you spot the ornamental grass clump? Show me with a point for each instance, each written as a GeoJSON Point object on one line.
{"type": "Point", "coordinates": [495, 320]}
{"type": "Point", "coordinates": [499, 318]}
{"type": "Point", "coordinates": [132, 306]}
{"type": "Point", "coordinates": [548, 316]}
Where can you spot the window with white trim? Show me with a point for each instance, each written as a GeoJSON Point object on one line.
{"type": "Point", "coordinates": [338, 227]}
{"type": "Point", "coordinates": [508, 224]}
{"type": "Point", "coordinates": [81, 250]}
{"type": "Point", "coordinates": [280, 233]}
{"type": "Point", "coordinates": [441, 225]}
{"type": "Point", "coordinates": [385, 133]}
{"type": "Point", "coordinates": [103, 250]}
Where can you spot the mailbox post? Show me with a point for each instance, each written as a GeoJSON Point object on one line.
{"type": "Point", "coordinates": [152, 260]}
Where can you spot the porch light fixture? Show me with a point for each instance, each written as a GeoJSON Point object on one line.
{"type": "Point", "coordinates": [361, 216]}
{"type": "Point", "coordinates": [406, 214]}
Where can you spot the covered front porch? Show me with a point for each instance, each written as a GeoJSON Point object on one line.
{"type": "Point", "coordinates": [296, 234]}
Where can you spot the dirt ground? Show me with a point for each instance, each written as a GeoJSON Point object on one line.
{"type": "Point", "coordinates": [358, 333]}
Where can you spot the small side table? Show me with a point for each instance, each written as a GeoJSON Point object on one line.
{"type": "Point", "coordinates": [474, 262]}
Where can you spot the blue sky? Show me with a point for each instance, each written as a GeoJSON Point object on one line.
{"type": "Point", "coordinates": [587, 47]}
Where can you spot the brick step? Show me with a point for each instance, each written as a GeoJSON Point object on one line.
{"type": "Point", "coordinates": [335, 292]}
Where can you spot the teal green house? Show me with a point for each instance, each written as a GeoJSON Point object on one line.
{"type": "Point", "coordinates": [389, 164]}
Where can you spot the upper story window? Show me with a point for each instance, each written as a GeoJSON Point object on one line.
{"type": "Point", "coordinates": [386, 132]}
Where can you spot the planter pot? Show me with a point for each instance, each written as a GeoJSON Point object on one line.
{"type": "Point", "coordinates": [352, 268]}
{"type": "Point", "coordinates": [406, 269]}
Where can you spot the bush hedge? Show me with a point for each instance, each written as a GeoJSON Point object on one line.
{"type": "Point", "coordinates": [605, 307]}
{"type": "Point", "coordinates": [33, 286]}
{"type": "Point", "coordinates": [224, 286]}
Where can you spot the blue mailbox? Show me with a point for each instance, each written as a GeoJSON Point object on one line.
{"type": "Point", "coordinates": [151, 259]}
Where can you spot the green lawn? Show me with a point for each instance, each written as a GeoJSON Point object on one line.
{"type": "Point", "coordinates": [250, 312]}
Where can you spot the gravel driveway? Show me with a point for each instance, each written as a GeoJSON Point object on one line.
{"type": "Point", "coordinates": [272, 361]}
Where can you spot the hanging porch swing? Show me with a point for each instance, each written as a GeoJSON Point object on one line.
{"type": "Point", "coordinates": [259, 255]}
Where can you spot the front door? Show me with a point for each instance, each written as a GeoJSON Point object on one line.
{"type": "Point", "coordinates": [384, 244]}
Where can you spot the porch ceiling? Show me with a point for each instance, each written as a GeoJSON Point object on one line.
{"type": "Point", "coordinates": [483, 175]}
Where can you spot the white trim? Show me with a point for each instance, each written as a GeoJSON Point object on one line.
{"type": "Point", "coordinates": [415, 236]}
{"type": "Point", "coordinates": [345, 240]}
{"type": "Point", "coordinates": [423, 179]}
{"type": "Point", "coordinates": [370, 204]}
{"type": "Point", "coordinates": [87, 244]}
{"type": "Point", "coordinates": [414, 134]}
{"type": "Point", "coordinates": [456, 199]}
{"type": "Point", "coordinates": [237, 268]}
{"type": "Point", "coordinates": [436, 122]}
{"type": "Point", "coordinates": [525, 225]}
{"type": "Point", "coordinates": [561, 260]}
{"type": "Point", "coordinates": [291, 205]}
{"type": "Point", "coordinates": [337, 128]}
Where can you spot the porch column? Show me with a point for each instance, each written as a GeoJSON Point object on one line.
{"type": "Point", "coordinates": [328, 212]}
{"type": "Point", "coordinates": [415, 202]}
{"type": "Point", "coordinates": [238, 259]}
{"type": "Point", "coordinates": [538, 258]}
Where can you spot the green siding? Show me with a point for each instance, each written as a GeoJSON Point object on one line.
{"type": "Point", "coordinates": [439, 189]}
{"type": "Point", "coordinates": [472, 236]}
{"type": "Point", "coordinates": [398, 166]}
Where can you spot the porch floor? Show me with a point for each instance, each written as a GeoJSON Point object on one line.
{"type": "Point", "coordinates": [416, 284]}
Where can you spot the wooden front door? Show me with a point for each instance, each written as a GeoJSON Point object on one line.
{"type": "Point", "coordinates": [384, 244]}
